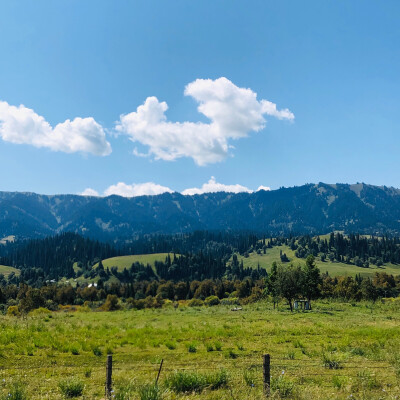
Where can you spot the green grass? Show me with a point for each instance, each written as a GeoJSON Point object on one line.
{"type": "Point", "coordinates": [126, 261]}
{"type": "Point", "coordinates": [121, 262]}
{"type": "Point", "coordinates": [7, 270]}
{"type": "Point", "coordinates": [362, 339]}
{"type": "Point", "coordinates": [333, 268]}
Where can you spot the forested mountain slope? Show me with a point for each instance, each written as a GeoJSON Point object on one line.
{"type": "Point", "coordinates": [305, 209]}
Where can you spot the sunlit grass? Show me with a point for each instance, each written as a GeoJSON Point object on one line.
{"type": "Point", "coordinates": [335, 351]}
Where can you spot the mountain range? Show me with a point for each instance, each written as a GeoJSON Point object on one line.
{"type": "Point", "coordinates": [308, 209]}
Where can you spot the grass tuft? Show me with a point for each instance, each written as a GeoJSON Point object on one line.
{"type": "Point", "coordinates": [71, 388]}
{"type": "Point", "coordinates": [150, 392]}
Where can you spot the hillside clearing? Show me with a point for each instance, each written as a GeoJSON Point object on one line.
{"type": "Point", "coordinates": [333, 268]}
{"type": "Point", "coordinates": [5, 270]}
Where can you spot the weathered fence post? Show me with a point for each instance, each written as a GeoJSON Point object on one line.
{"type": "Point", "coordinates": [267, 374]}
{"type": "Point", "coordinates": [159, 371]}
{"type": "Point", "coordinates": [109, 377]}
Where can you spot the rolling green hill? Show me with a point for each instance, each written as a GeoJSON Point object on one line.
{"type": "Point", "coordinates": [333, 268]}
{"type": "Point", "coordinates": [4, 270]}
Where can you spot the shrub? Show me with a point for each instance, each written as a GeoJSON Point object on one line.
{"type": "Point", "coordinates": [16, 392]}
{"type": "Point", "coordinates": [39, 311]}
{"type": "Point", "coordinates": [195, 303]}
{"type": "Point", "coordinates": [13, 311]}
{"type": "Point", "coordinates": [71, 388]}
{"type": "Point", "coordinates": [230, 301]}
{"type": "Point", "coordinates": [111, 303]}
{"type": "Point", "coordinates": [211, 301]}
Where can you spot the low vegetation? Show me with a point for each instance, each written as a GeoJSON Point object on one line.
{"type": "Point", "coordinates": [338, 350]}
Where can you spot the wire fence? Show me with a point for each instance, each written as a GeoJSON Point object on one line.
{"type": "Point", "coordinates": [300, 371]}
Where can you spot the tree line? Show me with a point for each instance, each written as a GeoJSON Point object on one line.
{"type": "Point", "coordinates": [285, 282]}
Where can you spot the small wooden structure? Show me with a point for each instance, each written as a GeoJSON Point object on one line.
{"type": "Point", "coordinates": [302, 304]}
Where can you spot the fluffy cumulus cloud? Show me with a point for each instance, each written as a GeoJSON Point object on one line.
{"type": "Point", "coordinates": [233, 113]}
{"type": "Point", "coordinates": [213, 186]}
{"type": "Point", "coordinates": [266, 188]}
{"type": "Point", "coordinates": [21, 125]}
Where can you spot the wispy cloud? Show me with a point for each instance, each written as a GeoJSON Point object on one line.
{"type": "Point", "coordinates": [233, 112]}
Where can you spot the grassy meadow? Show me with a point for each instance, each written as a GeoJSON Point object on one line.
{"type": "Point", "coordinates": [4, 270]}
{"type": "Point", "coordinates": [122, 262]}
{"type": "Point", "coordinates": [333, 268]}
{"type": "Point", "coordinates": [337, 351]}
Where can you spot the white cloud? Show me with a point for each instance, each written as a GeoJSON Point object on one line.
{"type": "Point", "coordinates": [151, 189]}
{"type": "Point", "coordinates": [213, 186]}
{"type": "Point", "coordinates": [233, 113]}
{"type": "Point", "coordinates": [136, 189]}
{"type": "Point", "coordinates": [22, 125]}
{"type": "Point", "coordinates": [90, 192]}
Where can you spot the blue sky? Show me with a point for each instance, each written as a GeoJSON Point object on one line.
{"type": "Point", "coordinates": [331, 68]}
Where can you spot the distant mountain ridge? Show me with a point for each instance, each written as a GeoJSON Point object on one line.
{"type": "Point", "coordinates": [311, 208]}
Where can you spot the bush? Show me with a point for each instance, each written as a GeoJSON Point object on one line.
{"type": "Point", "coordinates": [230, 301]}
{"type": "Point", "coordinates": [71, 388]}
{"type": "Point", "coordinates": [13, 311]}
{"type": "Point", "coordinates": [211, 301]}
{"type": "Point", "coordinates": [111, 303]}
{"type": "Point", "coordinates": [195, 303]}
{"type": "Point", "coordinates": [16, 392]}
{"type": "Point", "coordinates": [39, 311]}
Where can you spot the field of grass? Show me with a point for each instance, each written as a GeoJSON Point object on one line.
{"type": "Point", "coordinates": [126, 261]}
{"type": "Point", "coordinates": [333, 268]}
{"type": "Point", "coordinates": [7, 270]}
{"type": "Point", "coordinates": [121, 263]}
{"type": "Point", "coordinates": [336, 351]}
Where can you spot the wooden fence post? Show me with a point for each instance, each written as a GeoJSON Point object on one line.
{"type": "Point", "coordinates": [159, 372]}
{"type": "Point", "coordinates": [109, 377]}
{"type": "Point", "coordinates": [267, 374]}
